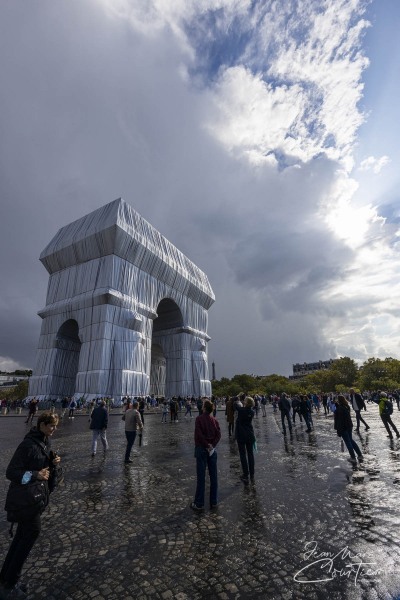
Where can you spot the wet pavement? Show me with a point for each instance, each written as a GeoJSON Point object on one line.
{"type": "Point", "coordinates": [311, 527]}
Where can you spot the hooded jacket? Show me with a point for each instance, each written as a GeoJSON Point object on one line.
{"type": "Point", "coordinates": [32, 455]}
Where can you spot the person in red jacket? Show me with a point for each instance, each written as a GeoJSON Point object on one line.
{"type": "Point", "coordinates": [207, 434]}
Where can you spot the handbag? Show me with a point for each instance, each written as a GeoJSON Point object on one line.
{"type": "Point", "coordinates": [57, 475]}
{"type": "Point", "coordinates": [24, 501]}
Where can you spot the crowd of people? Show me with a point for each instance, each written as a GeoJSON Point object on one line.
{"type": "Point", "coordinates": [242, 409]}
{"type": "Point", "coordinates": [33, 467]}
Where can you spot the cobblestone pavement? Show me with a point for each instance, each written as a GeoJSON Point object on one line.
{"type": "Point", "coordinates": [117, 532]}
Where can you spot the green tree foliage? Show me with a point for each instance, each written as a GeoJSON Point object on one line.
{"type": "Point", "coordinates": [255, 385]}
{"type": "Point", "coordinates": [320, 381]}
{"type": "Point", "coordinates": [19, 392]}
{"type": "Point", "coordinates": [377, 374]}
{"type": "Point", "coordinates": [343, 374]}
{"type": "Point", "coordinates": [345, 371]}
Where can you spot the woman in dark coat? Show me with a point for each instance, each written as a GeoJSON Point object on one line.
{"type": "Point", "coordinates": [344, 426]}
{"type": "Point", "coordinates": [245, 438]}
{"type": "Point", "coordinates": [32, 461]}
{"type": "Point", "coordinates": [305, 411]}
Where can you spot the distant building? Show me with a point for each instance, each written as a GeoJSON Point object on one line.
{"type": "Point", "coordinates": [300, 370]}
{"type": "Point", "coordinates": [8, 381]}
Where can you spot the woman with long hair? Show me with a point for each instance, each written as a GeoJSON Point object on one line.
{"type": "Point", "coordinates": [245, 438]}
{"type": "Point", "coordinates": [344, 427]}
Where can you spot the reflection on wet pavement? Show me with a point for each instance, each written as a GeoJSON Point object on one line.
{"type": "Point", "coordinates": [306, 529]}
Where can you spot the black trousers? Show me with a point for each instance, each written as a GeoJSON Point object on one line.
{"type": "Point", "coordinates": [386, 420]}
{"type": "Point", "coordinates": [23, 542]}
{"type": "Point", "coordinates": [359, 419]}
{"type": "Point", "coordinates": [246, 454]}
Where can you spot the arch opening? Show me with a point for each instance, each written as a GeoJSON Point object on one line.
{"type": "Point", "coordinates": [164, 358]}
{"type": "Point", "coordinates": [169, 316]}
{"type": "Point", "coordinates": [66, 363]}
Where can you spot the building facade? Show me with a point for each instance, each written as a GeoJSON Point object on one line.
{"type": "Point", "coordinates": [300, 370]}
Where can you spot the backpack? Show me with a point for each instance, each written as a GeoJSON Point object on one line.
{"type": "Point", "coordinates": [388, 408]}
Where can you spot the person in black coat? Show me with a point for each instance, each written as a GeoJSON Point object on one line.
{"type": "Point", "coordinates": [245, 438]}
{"type": "Point", "coordinates": [357, 403]}
{"type": "Point", "coordinates": [344, 426]}
{"type": "Point", "coordinates": [284, 407]}
{"type": "Point", "coordinates": [305, 411]}
{"type": "Point", "coordinates": [98, 424]}
{"type": "Point", "coordinates": [32, 461]}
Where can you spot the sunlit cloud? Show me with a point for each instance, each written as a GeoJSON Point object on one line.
{"type": "Point", "coordinates": [231, 126]}
{"type": "Point", "coordinates": [374, 164]}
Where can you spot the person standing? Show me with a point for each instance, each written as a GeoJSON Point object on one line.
{"type": "Point", "coordinates": [305, 411]}
{"type": "Point", "coordinates": [344, 425]}
{"type": "Point", "coordinates": [32, 407]}
{"type": "Point", "coordinates": [133, 424]}
{"type": "Point", "coordinates": [188, 406]}
{"type": "Point", "coordinates": [32, 462]}
{"type": "Point", "coordinates": [325, 404]}
{"type": "Point", "coordinates": [207, 434]}
{"type": "Point", "coordinates": [385, 412]}
{"type": "Point", "coordinates": [72, 407]}
{"type": "Point", "coordinates": [357, 403]}
{"type": "Point", "coordinates": [296, 409]}
{"type": "Point", "coordinates": [98, 424]}
{"type": "Point", "coordinates": [245, 438]}
{"type": "Point", "coordinates": [142, 408]}
{"type": "Point", "coordinates": [284, 407]}
{"type": "Point", "coordinates": [230, 414]}
{"type": "Point", "coordinates": [164, 408]}
{"type": "Point", "coordinates": [173, 407]}
{"type": "Point", "coordinates": [199, 405]}
{"type": "Point", "coordinates": [64, 406]}
{"type": "Point", "coordinates": [263, 405]}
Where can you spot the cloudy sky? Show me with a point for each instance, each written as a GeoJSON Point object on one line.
{"type": "Point", "coordinates": [260, 137]}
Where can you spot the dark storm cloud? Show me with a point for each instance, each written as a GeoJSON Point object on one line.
{"type": "Point", "coordinates": [94, 108]}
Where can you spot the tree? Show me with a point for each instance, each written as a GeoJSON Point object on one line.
{"type": "Point", "coordinates": [246, 382]}
{"type": "Point", "coordinates": [321, 381]}
{"type": "Point", "coordinates": [345, 371]}
{"type": "Point", "coordinates": [378, 374]}
{"type": "Point", "coordinates": [19, 392]}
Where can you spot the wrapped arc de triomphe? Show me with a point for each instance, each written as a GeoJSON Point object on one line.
{"type": "Point", "coordinates": [125, 315]}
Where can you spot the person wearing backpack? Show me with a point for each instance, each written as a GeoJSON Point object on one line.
{"type": "Point", "coordinates": [385, 411]}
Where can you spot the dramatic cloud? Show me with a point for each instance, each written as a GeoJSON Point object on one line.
{"type": "Point", "coordinates": [230, 126]}
{"type": "Point", "coordinates": [376, 164]}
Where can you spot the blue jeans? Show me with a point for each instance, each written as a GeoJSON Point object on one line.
{"type": "Point", "coordinates": [350, 444]}
{"type": "Point", "coordinates": [203, 461]}
{"type": "Point", "coordinates": [103, 436]}
{"type": "Point", "coordinates": [130, 438]}
{"type": "Point", "coordinates": [307, 420]}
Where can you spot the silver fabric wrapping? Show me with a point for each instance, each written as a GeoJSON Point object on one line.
{"type": "Point", "coordinates": [126, 312]}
